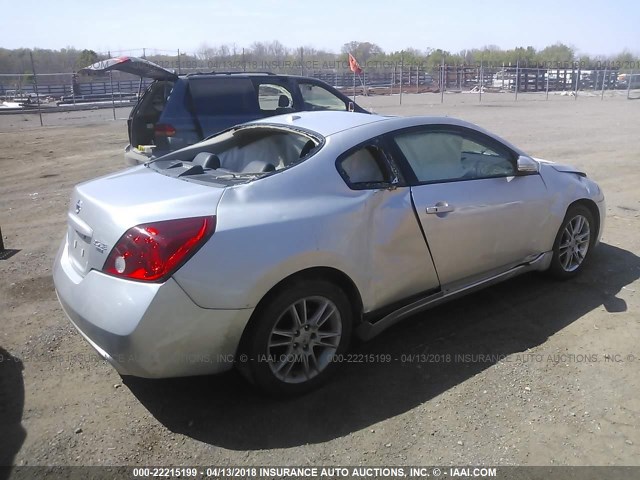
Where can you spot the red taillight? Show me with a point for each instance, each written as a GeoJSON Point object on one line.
{"type": "Point", "coordinates": [165, 130]}
{"type": "Point", "coordinates": [153, 251]}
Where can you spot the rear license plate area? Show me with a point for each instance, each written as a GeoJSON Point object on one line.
{"type": "Point", "coordinates": [79, 250]}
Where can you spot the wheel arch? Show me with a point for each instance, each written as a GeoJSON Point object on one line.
{"type": "Point", "coordinates": [330, 274]}
{"type": "Point", "coordinates": [593, 208]}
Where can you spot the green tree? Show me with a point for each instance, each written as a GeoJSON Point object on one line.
{"type": "Point", "coordinates": [86, 58]}
{"type": "Point", "coordinates": [363, 51]}
{"type": "Point", "coordinates": [558, 53]}
{"type": "Point", "coordinates": [624, 61]}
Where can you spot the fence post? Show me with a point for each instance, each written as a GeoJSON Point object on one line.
{"type": "Point", "coordinates": [629, 84]}
{"type": "Point", "coordinates": [481, 82]}
{"type": "Point", "coordinates": [35, 84]}
{"type": "Point", "coordinates": [546, 72]}
{"type": "Point", "coordinates": [113, 103]}
{"type": "Point", "coordinates": [393, 76]}
{"type": "Point", "coordinates": [354, 87]}
{"type": "Point", "coordinates": [442, 81]}
{"type": "Point", "coordinates": [517, 78]}
{"type": "Point", "coordinates": [604, 77]}
{"type": "Point", "coordinates": [401, 75]}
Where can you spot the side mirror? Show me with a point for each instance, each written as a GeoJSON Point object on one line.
{"type": "Point", "coordinates": [352, 106]}
{"type": "Point", "coordinates": [527, 165]}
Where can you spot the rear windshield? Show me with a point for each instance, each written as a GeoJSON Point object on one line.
{"type": "Point", "coordinates": [215, 96]}
{"type": "Point", "coordinates": [240, 154]}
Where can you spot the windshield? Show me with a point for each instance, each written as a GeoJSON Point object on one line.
{"type": "Point", "coordinates": [240, 153]}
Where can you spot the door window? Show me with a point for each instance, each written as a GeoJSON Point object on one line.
{"type": "Point", "coordinates": [480, 161]}
{"type": "Point", "coordinates": [318, 98]}
{"type": "Point", "coordinates": [440, 156]}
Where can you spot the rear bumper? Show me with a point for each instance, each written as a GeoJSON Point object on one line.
{"type": "Point", "coordinates": [147, 330]}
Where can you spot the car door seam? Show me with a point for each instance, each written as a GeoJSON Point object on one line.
{"type": "Point", "coordinates": [424, 236]}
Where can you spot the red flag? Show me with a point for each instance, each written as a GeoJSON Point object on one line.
{"type": "Point", "coordinates": [354, 65]}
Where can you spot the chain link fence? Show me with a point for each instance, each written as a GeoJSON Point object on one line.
{"type": "Point", "coordinates": [69, 91]}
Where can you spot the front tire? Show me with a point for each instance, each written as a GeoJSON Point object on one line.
{"type": "Point", "coordinates": [574, 242]}
{"type": "Point", "coordinates": [290, 346]}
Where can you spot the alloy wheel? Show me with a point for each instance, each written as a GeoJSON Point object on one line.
{"type": "Point", "coordinates": [574, 243]}
{"type": "Point", "coordinates": [304, 339]}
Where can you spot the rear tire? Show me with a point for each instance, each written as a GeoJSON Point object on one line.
{"type": "Point", "coordinates": [290, 345]}
{"type": "Point", "coordinates": [574, 243]}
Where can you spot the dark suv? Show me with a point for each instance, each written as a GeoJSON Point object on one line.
{"type": "Point", "coordinates": [180, 110]}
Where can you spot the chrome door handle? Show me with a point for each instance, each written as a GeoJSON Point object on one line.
{"type": "Point", "coordinates": [440, 207]}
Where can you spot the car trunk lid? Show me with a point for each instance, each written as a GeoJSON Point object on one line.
{"type": "Point", "coordinates": [102, 210]}
{"type": "Point", "coordinates": [142, 119]}
{"type": "Point", "coordinates": [134, 65]}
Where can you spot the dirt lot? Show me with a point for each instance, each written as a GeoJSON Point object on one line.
{"type": "Point", "coordinates": [533, 372]}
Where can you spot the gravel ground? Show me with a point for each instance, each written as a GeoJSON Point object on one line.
{"type": "Point", "coordinates": [532, 372]}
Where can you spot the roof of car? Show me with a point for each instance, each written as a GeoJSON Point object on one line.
{"type": "Point", "coordinates": [243, 74]}
{"type": "Point", "coordinates": [235, 74]}
{"type": "Point", "coordinates": [325, 123]}
{"type": "Point", "coordinates": [328, 123]}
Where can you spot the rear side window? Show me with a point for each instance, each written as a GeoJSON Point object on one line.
{"type": "Point", "coordinates": [363, 168]}
{"type": "Point", "coordinates": [159, 93]}
{"type": "Point", "coordinates": [220, 96]}
{"type": "Point", "coordinates": [274, 98]}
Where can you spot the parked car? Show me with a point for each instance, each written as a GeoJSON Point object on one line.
{"type": "Point", "coordinates": [269, 245]}
{"type": "Point", "coordinates": [180, 110]}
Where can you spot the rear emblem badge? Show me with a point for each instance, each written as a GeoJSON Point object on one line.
{"type": "Point", "coordinates": [101, 247]}
{"type": "Point", "coordinates": [78, 206]}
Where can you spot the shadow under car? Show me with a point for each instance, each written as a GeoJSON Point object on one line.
{"type": "Point", "coordinates": [491, 324]}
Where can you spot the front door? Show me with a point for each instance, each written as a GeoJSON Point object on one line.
{"type": "Point", "coordinates": [479, 216]}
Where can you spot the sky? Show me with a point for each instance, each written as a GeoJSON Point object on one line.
{"type": "Point", "coordinates": [598, 28]}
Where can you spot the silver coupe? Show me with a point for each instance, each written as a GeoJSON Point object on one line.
{"type": "Point", "coordinates": [270, 245]}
